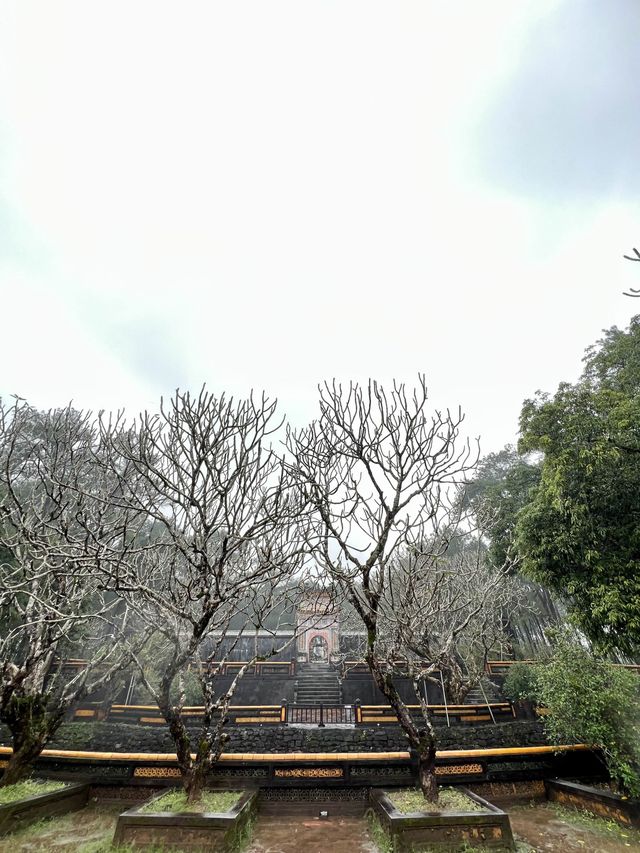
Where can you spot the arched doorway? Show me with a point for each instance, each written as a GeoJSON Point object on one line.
{"type": "Point", "coordinates": [318, 649]}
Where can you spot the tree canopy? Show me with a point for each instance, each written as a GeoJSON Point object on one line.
{"type": "Point", "coordinates": [501, 487]}
{"type": "Point", "coordinates": [579, 534]}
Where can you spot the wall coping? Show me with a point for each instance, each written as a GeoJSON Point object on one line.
{"type": "Point", "coordinates": [166, 757]}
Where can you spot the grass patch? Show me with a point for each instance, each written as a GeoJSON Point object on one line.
{"type": "Point", "coordinates": [378, 833]}
{"type": "Point", "coordinates": [407, 800]}
{"type": "Point", "coordinates": [585, 820]}
{"type": "Point", "coordinates": [107, 847]}
{"type": "Point", "coordinates": [27, 788]}
{"type": "Point", "coordinates": [89, 830]}
{"type": "Point", "coordinates": [243, 835]}
{"type": "Point", "coordinates": [210, 801]}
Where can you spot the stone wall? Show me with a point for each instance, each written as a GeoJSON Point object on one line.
{"type": "Point", "coordinates": [251, 690]}
{"type": "Point", "coordinates": [119, 737]}
{"type": "Point", "coordinates": [362, 686]}
{"type": "Point", "coordinates": [271, 689]}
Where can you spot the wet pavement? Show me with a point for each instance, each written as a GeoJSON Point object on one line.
{"type": "Point", "coordinates": [545, 830]}
{"type": "Point", "coordinates": [539, 827]}
{"type": "Point", "coordinates": [311, 835]}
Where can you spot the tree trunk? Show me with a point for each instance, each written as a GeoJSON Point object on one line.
{"type": "Point", "coordinates": [428, 781]}
{"type": "Point", "coordinates": [455, 681]}
{"type": "Point", "coordinates": [211, 741]}
{"type": "Point", "coordinates": [194, 781]}
{"type": "Point", "coordinates": [21, 760]}
{"type": "Point", "coordinates": [180, 736]}
{"type": "Point", "coordinates": [31, 728]}
{"type": "Point", "coordinates": [427, 767]}
{"type": "Point", "coordinates": [422, 740]}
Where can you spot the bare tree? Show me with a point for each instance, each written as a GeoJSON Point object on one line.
{"type": "Point", "coordinates": [446, 609]}
{"type": "Point", "coordinates": [218, 553]}
{"type": "Point", "coordinates": [379, 472]}
{"type": "Point", "coordinates": [52, 603]}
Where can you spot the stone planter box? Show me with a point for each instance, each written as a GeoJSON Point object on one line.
{"type": "Point", "coordinates": [445, 830]}
{"type": "Point", "coordinates": [186, 830]}
{"type": "Point", "coordinates": [67, 799]}
{"type": "Point", "coordinates": [599, 802]}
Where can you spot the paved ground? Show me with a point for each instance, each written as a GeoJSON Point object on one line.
{"type": "Point", "coordinates": [311, 835]}
{"type": "Point", "coordinates": [546, 829]}
{"type": "Point", "coordinates": [85, 831]}
{"type": "Point", "coordinates": [541, 828]}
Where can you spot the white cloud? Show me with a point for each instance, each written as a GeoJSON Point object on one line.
{"type": "Point", "coordinates": [269, 194]}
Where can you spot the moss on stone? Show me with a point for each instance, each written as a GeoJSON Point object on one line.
{"type": "Point", "coordinates": [408, 800]}
{"type": "Point", "coordinates": [210, 801]}
{"type": "Point", "coordinates": [27, 788]}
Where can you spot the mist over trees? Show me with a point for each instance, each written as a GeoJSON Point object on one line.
{"type": "Point", "coordinates": [502, 485]}
{"type": "Point", "coordinates": [163, 538]}
{"type": "Point", "coordinates": [123, 538]}
{"type": "Point", "coordinates": [380, 473]}
{"type": "Point", "coordinates": [53, 603]}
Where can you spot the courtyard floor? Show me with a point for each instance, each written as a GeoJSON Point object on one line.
{"type": "Point", "coordinates": [545, 827]}
{"type": "Point", "coordinates": [539, 828]}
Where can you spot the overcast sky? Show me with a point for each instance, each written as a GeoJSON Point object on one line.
{"type": "Point", "coordinates": [265, 194]}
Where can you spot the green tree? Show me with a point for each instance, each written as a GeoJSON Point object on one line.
{"type": "Point", "coordinates": [592, 701]}
{"type": "Point", "coordinates": [501, 487]}
{"type": "Point", "coordinates": [580, 532]}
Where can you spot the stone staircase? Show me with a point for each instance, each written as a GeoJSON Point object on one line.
{"type": "Point", "coordinates": [317, 684]}
{"type": "Point", "coordinates": [476, 697]}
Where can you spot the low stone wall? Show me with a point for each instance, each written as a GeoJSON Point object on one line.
{"type": "Point", "coordinates": [447, 830]}
{"type": "Point", "coordinates": [600, 802]}
{"type": "Point", "coordinates": [187, 831]}
{"type": "Point", "coordinates": [19, 813]}
{"type": "Point", "coordinates": [119, 737]}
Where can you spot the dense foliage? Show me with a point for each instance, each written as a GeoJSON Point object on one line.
{"type": "Point", "coordinates": [580, 532]}
{"type": "Point", "coordinates": [593, 701]}
{"type": "Point", "coordinates": [521, 683]}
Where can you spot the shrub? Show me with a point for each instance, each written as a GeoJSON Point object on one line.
{"type": "Point", "coordinates": [521, 682]}
{"type": "Point", "coordinates": [593, 701]}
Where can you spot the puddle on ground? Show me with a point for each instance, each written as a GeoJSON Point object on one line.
{"type": "Point", "coordinates": [311, 835]}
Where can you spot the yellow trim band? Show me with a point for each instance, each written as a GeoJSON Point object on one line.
{"type": "Point", "coordinates": [304, 756]}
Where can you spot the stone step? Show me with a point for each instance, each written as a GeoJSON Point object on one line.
{"type": "Point", "coordinates": [326, 699]}
{"type": "Point", "coordinates": [476, 697]}
{"type": "Point", "coordinates": [317, 684]}
{"type": "Point", "coordinates": [332, 693]}
{"type": "Point", "coordinates": [324, 673]}
{"type": "Point", "coordinates": [318, 700]}
{"type": "Point", "coordinates": [309, 675]}
{"type": "Point", "coordinates": [319, 688]}
{"type": "Point", "coordinates": [318, 691]}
